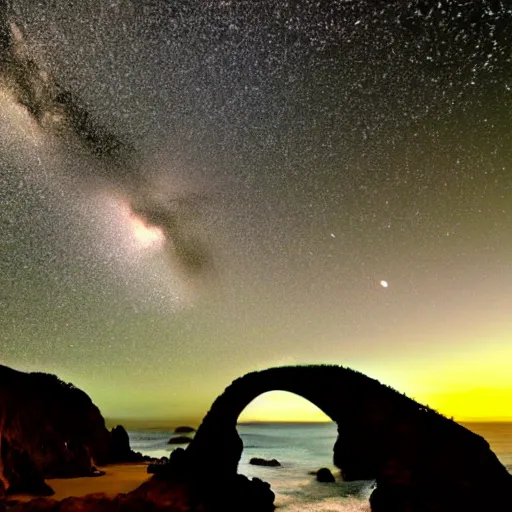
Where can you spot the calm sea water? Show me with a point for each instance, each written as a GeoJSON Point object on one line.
{"type": "Point", "coordinates": [306, 447]}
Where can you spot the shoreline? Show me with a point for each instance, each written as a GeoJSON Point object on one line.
{"type": "Point", "coordinates": [118, 479]}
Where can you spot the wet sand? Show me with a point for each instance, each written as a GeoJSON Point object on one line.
{"type": "Point", "coordinates": [118, 478]}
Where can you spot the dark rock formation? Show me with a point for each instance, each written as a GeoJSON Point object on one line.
{"type": "Point", "coordinates": [179, 440]}
{"type": "Point", "coordinates": [256, 461]}
{"type": "Point", "coordinates": [324, 475]}
{"type": "Point", "coordinates": [184, 430]}
{"type": "Point", "coordinates": [120, 450]}
{"type": "Point", "coordinates": [47, 429]}
{"type": "Point", "coordinates": [419, 459]}
{"type": "Point", "coordinates": [50, 429]}
{"type": "Point", "coordinates": [200, 492]}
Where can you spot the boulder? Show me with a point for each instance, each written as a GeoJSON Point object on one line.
{"type": "Point", "coordinates": [256, 461]}
{"type": "Point", "coordinates": [324, 475]}
{"type": "Point", "coordinates": [249, 495]}
{"type": "Point", "coordinates": [184, 430]}
{"type": "Point", "coordinates": [179, 440]}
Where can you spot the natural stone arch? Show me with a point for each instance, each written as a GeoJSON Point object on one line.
{"type": "Point", "coordinates": [419, 459]}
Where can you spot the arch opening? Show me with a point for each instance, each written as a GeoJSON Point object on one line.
{"type": "Point", "coordinates": [282, 407]}
{"type": "Point", "coordinates": [284, 426]}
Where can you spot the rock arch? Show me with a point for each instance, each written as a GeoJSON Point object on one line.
{"type": "Point", "coordinates": [420, 460]}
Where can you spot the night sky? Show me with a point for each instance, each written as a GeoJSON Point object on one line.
{"type": "Point", "coordinates": [303, 182]}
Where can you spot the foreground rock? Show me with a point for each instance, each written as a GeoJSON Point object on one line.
{"type": "Point", "coordinates": [170, 493]}
{"type": "Point", "coordinates": [256, 461]}
{"type": "Point", "coordinates": [90, 503]}
{"type": "Point", "coordinates": [324, 475]}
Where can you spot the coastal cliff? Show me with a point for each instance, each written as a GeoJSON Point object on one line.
{"type": "Point", "coordinates": [48, 429]}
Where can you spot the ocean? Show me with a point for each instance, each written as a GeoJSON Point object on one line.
{"type": "Point", "coordinates": [301, 448]}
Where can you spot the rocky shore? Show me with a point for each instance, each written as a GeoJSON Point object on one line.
{"type": "Point", "coordinates": [51, 429]}
{"type": "Point", "coordinates": [420, 460]}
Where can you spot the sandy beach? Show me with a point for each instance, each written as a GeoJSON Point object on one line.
{"type": "Point", "coordinates": [118, 478]}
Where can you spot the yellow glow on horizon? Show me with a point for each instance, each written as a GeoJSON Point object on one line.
{"type": "Point", "coordinates": [477, 404]}
{"type": "Point", "coordinates": [474, 404]}
{"type": "Point", "coordinates": [476, 385]}
{"type": "Point", "coordinates": [282, 406]}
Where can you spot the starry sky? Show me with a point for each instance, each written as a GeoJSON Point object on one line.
{"type": "Point", "coordinates": [301, 182]}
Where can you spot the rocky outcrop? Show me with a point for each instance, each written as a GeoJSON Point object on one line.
{"type": "Point", "coordinates": [120, 450]}
{"type": "Point", "coordinates": [324, 475]}
{"type": "Point", "coordinates": [51, 429]}
{"type": "Point", "coordinates": [419, 459]}
{"type": "Point", "coordinates": [256, 461]}
{"type": "Point", "coordinates": [47, 429]}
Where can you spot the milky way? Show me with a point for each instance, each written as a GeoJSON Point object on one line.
{"type": "Point", "coordinates": [192, 190]}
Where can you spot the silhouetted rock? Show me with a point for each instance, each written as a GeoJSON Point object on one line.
{"type": "Point", "coordinates": [256, 461]}
{"type": "Point", "coordinates": [419, 459]}
{"type": "Point", "coordinates": [120, 450]}
{"type": "Point", "coordinates": [47, 429]}
{"type": "Point", "coordinates": [184, 430]}
{"type": "Point", "coordinates": [179, 440]}
{"type": "Point", "coordinates": [324, 475]}
{"type": "Point", "coordinates": [198, 491]}
{"type": "Point", "coordinates": [119, 444]}
{"type": "Point", "coordinates": [248, 495]}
